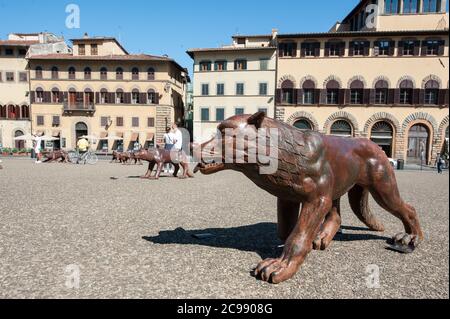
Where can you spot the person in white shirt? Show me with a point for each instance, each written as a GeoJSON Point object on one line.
{"type": "Point", "coordinates": [168, 145]}
{"type": "Point", "coordinates": [37, 148]}
{"type": "Point", "coordinates": [178, 145]}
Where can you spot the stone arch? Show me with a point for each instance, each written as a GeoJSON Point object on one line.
{"type": "Point", "coordinates": [287, 77]}
{"type": "Point", "coordinates": [382, 116]}
{"type": "Point", "coordinates": [303, 115]}
{"type": "Point", "coordinates": [88, 87]}
{"type": "Point", "coordinates": [420, 116]}
{"type": "Point", "coordinates": [330, 78]}
{"type": "Point", "coordinates": [357, 78]}
{"type": "Point", "coordinates": [308, 78]}
{"type": "Point", "coordinates": [381, 78]}
{"type": "Point", "coordinates": [341, 115]}
{"type": "Point", "coordinates": [37, 86]}
{"type": "Point", "coordinates": [55, 86]}
{"type": "Point", "coordinates": [431, 77]}
{"type": "Point", "coordinates": [406, 77]}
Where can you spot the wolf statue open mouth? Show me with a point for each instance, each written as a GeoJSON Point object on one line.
{"type": "Point", "coordinates": [314, 172]}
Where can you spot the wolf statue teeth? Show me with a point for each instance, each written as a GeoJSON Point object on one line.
{"type": "Point", "coordinates": [314, 172]}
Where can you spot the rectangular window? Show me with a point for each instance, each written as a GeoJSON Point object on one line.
{"type": "Point", "coordinates": [381, 96]}
{"type": "Point", "coordinates": [220, 114]}
{"type": "Point", "coordinates": [240, 65]}
{"type": "Point", "coordinates": [356, 96]}
{"type": "Point", "coordinates": [430, 6]}
{"type": "Point", "coordinates": [9, 76]}
{"type": "Point", "coordinates": [262, 109]}
{"type": "Point", "coordinates": [56, 121]}
{"type": "Point", "coordinates": [22, 52]}
{"type": "Point", "coordinates": [220, 66]}
{"type": "Point", "coordinates": [239, 88]}
{"type": "Point", "coordinates": [431, 96]}
{"type": "Point", "coordinates": [40, 120]}
{"type": "Point", "coordinates": [391, 6]}
{"type": "Point", "coordinates": [81, 49]}
{"type": "Point", "coordinates": [288, 49]}
{"type": "Point", "coordinates": [309, 49]}
{"type": "Point", "coordinates": [264, 64]}
{"type": "Point", "coordinates": [432, 47]}
{"type": "Point", "coordinates": [334, 49]}
{"type": "Point", "coordinates": [205, 89]}
{"type": "Point", "coordinates": [241, 41]}
{"type": "Point", "coordinates": [262, 88]}
{"type": "Point", "coordinates": [119, 121]}
{"type": "Point", "coordinates": [23, 76]}
{"type": "Point", "coordinates": [239, 111]}
{"type": "Point", "coordinates": [204, 115]}
{"type": "Point", "coordinates": [94, 49]}
{"type": "Point", "coordinates": [384, 48]}
{"type": "Point", "coordinates": [151, 122]}
{"type": "Point", "coordinates": [205, 66]}
{"type": "Point", "coordinates": [410, 6]}
{"type": "Point", "coordinates": [308, 96]}
{"type": "Point", "coordinates": [406, 96]}
{"type": "Point", "coordinates": [359, 48]}
{"type": "Point", "coordinates": [9, 52]}
{"type": "Point", "coordinates": [135, 122]}
{"type": "Point", "coordinates": [408, 48]}
{"type": "Point", "coordinates": [332, 96]}
{"type": "Point", "coordinates": [220, 89]}
{"type": "Point", "coordinates": [103, 121]}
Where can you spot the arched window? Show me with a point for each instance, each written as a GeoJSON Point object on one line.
{"type": "Point", "coordinates": [342, 128]}
{"type": "Point", "coordinates": [152, 97]}
{"type": "Point", "coordinates": [88, 97]}
{"type": "Point", "coordinates": [11, 112]}
{"type": "Point", "coordinates": [19, 144]}
{"type": "Point", "coordinates": [332, 92]}
{"type": "Point", "coordinates": [55, 95]}
{"type": "Point", "coordinates": [120, 96]}
{"type": "Point", "coordinates": [25, 111]}
{"type": "Point", "coordinates": [135, 96]}
{"type": "Point", "coordinates": [356, 92]}
{"type": "Point", "coordinates": [87, 73]}
{"type": "Point", "coordinates": [381, 92]}
{"type": "Point", "coordinates": [431, 92]}
{"type": "Point", "coordinates": [39, 95]}
{"type": "Point", "coordinates": [406, 92]}
{"type": "Point", "coordinates": [103, 73]}
{"type": "Point", "coordinates": [72, 73]}
{"type": "Point", "coordinates": [104, 98]}
{"type": "Point", "coordinates": [55, 73]}
{"type": "Point", "coordinates": [308, 92]}
{"type": "Point", "coordinates": [119, 74]}
{"type": "Point", "coordinates": [38, 73]}
{"type": "Point", "coordinates": [151, 74]}
{"type": "Point", "coordinates": [135, 74]}
{"type": "Point", "coordinates": [287, 92]}
{"type": "Point", "coordinates": [303, 124]}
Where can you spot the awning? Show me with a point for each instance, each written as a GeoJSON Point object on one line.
{"type": "Point", "coordinates": [56, 134]}
{"type": "Point", "coordinates": [150, 137]}
{"type": "Point", "coordinates": [134, 137]}
{"type": "Point", "coordinates": [103, 135]}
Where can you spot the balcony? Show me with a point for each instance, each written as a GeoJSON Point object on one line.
{"type": "Point", "coordinates": [79, 107]}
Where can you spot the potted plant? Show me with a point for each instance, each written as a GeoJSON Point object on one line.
{"type": "Point", "coordinates": [6, 151]}
{"type": "Point", "coordinates": [15, 151]}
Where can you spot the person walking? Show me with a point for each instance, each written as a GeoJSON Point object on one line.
{"type": "Point", "coordinates": [38, 148]}
{"type": "Point", "coordinates": [168, 145]}
{"type": "Point", "coordinates": [439, 163]}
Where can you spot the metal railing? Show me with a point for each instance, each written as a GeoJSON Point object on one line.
{"type": "Point", "coordinates": [79, 106]}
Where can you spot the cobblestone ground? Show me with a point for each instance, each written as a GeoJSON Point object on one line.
{"type": "Point", "coordinates": [132, 238]}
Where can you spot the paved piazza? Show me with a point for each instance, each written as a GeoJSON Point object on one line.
{"type": "Point", "coordinates": [132, 238]}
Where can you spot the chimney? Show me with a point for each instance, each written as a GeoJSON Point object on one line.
{"type": "Point", "coordinates": [274, 34]}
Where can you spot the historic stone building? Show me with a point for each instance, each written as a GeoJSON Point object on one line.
{"type": "Point", "coordinates": [234, 79]}
{"type": "Point", "coordinates": [102, 91]}
{"type": "Point", "coordinates": [385, 79]}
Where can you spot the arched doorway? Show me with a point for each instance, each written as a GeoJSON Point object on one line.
{"type": "Point", "coordinates": [19, 144]}
{"type": "Point", "coordinates": [303, 124]}
{"type": "Point", "coordinates": [418, 144]}
{"type": "Point", "coordinates": [81, 129]}
{"type": "Point", "coordinates": [342, 128]}
{"type": "Point", "coordinates": [383, 135]}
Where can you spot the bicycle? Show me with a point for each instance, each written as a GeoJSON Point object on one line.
{"type": "Point", "coordinates": [87, 158]}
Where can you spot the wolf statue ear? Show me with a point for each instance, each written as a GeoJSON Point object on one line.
{"type": "Point", "coordinates": [257, 119]}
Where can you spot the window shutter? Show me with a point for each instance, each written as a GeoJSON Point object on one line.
{"type": "Point", "coordinates": [442, 97]}
{"type": "Point", "coordinates": [342, 49]}
{"type": "Point", "coordinates": [392, 48]}
{"type": "Point", "coordinates": [446, 97]}
{"type": "Point", "coordinates": [111, 98]}
{"type": "Point", "coordinates": [441, 47]}
{"type": "Point", "coordinates": [127, 98]}
{"type": "Point", "coordinates": [280, 50]}
{"type": "Point", "coordinates": [366, 48]}
{"type": "Point", "coordinates": [143, 98]}
{"type": "Point", "coordinates": [351, 48]}
{"type": "Point", "coordinates": [278, 96]}
{"type": "Point", "coordinates": [61, 97]}
{"type": "Point", "coordinates": [47, 97]}
{"type": "Point", "coordinates": [418, 96]}
{"type": "Point", "coordinates": [391, 96]}
{"type": "Point", "coordinates": [317, 96]}
{"type": "Point", "coordinates": [400, 48]}
{"type": "Point", "coordinates": [32, 96]}
{"type": "Point", "coordinates": [317, 49]}
{"type": "Point", "coordinates": [396, 96]}
{"type": "Point", "coordinates": [424, 48]}
{"type": "Point", "coordinates": [303, 50]}
{"type": "Point", "coordinates": [97, 97]}
{"type": "Point", "coordinates": [347, 96]}
{"type": "Point", "coordinates": [366, 96]}
{"type": "Point", "coordinates": [65, 96]}
{"type": "Point", "coordinates": [79, 96]}
{"type": "Point", "coordinates": [156, 98]}
{"type": "Point", "coordinates": [342, 94]}
{"type": "Point", "coordinates": [300, 96]}
{"type": "Point", "coordinates": [416, 48]}
{"type": "Point", "coordinates": [323, 96]}
{"type": "Point", "coordinates": [372, 96]}
{"type": "Point", "coordinates": [327, 48]}
{"type": "Point", "coordinates": [294, 96]}
{"type": "Point", "coordinates": [294, 50]}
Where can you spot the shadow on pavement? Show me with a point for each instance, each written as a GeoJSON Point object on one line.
{"type": "Point", "coordinates": [259, 238]}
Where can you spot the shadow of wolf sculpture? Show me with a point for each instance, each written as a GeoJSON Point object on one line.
{"type": "Point", "coordinates": [314, 172]}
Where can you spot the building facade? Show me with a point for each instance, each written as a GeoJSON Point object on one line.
{"type": "Point", "coordinates": [234, 79]}
{"type": "Point", "coordinates": [386, 80]}
{"type": "Point", "coordinates": [102, 91]}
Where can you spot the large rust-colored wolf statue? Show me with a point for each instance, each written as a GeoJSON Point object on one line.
{"type": "Point", "coordinates": [314, 172]}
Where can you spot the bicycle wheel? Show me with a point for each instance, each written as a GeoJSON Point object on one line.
{"type": "Point", "coordinates": [73, 157]}
{"type": "Point", "coordinates": [91, 158]}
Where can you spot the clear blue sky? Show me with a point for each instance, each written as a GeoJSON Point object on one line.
{"type": "Point", "coordinates": [172, 27]}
